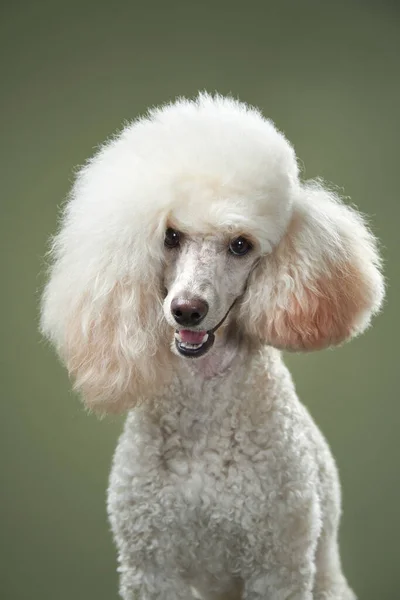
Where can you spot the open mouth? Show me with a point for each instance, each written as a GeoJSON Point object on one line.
{"type": "Point", "coordinates": [193, 344]}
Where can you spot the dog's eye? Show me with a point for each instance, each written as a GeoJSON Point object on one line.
{"type": "Point", "coordinates": [240, 246]}
{"type": "Point", "coordinates": [172, 238]}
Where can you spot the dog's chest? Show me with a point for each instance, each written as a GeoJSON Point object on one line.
{"type": "Point", "coordinates": [191, 479]}
{"type": "Point", "coordinates": [191, 490]}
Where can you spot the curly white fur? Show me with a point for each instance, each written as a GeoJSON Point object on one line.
{"type": "Point", "coordinates": [222, 486]}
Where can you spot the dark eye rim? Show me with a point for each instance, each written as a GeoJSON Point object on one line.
{"type": "Point", "coordinates": [247, 247]}
{"type": "Point", "coordinates": [168, 241]}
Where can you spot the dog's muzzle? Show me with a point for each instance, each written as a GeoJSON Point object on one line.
{"type": "Point", "coordinates": [194, 344]}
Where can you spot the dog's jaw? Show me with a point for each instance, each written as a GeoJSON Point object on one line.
{"type": "Point", "coordinates": [216, 360]}
{"type": "Point", "coordinates": [193, 344]}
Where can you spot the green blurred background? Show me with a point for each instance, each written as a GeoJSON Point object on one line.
{"type": "Point", "coordinates": [71, 73]}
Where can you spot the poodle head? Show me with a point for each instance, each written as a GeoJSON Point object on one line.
{"type": "Point", "coordinates": [189, 231]}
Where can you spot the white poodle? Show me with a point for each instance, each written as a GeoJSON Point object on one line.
{"type": "Point", "coordinates": [189, 254]}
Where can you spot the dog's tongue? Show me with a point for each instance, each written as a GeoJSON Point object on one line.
{"type": "Point", "coordinates": [192, 337]}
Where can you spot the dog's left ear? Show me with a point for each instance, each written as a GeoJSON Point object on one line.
{"type": "Point", "coordinates": [322, 283]}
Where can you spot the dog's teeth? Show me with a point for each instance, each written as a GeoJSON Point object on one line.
{"type": "Point", "coordinates": [190, 346]}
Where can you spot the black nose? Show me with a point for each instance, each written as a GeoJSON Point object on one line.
{"type": "Point", "coordinates": [189, 312]}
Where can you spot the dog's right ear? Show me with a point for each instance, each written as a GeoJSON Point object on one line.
{"type": "Point", "coordinates": [321, 284]}
{"type": "Point", "coordinates": [108, 345]}
{"type": "Point", "coordinates": [102, 305]}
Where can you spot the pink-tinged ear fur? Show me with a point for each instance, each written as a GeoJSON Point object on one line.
{"type": "Point", "coordinates": [114, 365]}
{"type": "Point", "coordinates": [322, 283]}
{"type": "Point", "coordinates": [114, 346]}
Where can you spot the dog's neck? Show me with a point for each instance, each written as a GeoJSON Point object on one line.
{"type": "Point", "coordinates": [210, 387]}
{"type": "Point", "coordinates": [215, 364]}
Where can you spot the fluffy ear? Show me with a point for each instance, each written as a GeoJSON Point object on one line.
{"type": "Point", "coordinates": [112, 345]}
{"type": "Point", "coordinates": [102, 306]}
{"type": "Point", "coordinates": [322, 283]}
